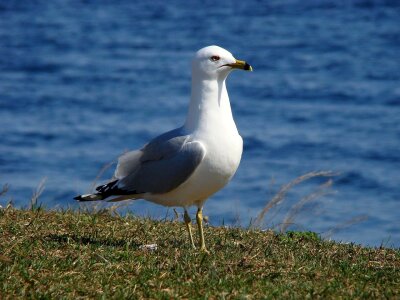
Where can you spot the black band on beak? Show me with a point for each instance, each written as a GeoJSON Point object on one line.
{"type": "Point", "coordinates": [241, 64]}
{"type": "Point", "coordinates": [247, 67]}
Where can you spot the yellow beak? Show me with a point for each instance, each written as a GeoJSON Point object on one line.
{"type": "Point", "coordinates": [241, 64]}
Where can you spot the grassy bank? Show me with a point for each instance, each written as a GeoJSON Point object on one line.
{"type": "Point", "coordinates": [76, 255]}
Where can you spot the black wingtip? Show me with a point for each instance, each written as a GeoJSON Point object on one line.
{"type": "Point", "coordinates": [78, 198]}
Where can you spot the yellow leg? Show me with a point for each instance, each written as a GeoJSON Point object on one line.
{"type": "Point", "coordinates": [188, 223]}
{"type": "Point", "coordinates": [199, 219]}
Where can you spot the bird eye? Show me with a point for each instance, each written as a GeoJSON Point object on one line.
{"type": "Point", "coordinates": [214, 58]}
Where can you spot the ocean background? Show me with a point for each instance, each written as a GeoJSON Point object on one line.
{"type": "Point", "coordinates": [83, 81]}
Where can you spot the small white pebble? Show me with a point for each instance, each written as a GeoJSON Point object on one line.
{"type": "Point", "coordinates": [150, 247]}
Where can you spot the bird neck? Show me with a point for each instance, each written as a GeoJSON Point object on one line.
{"type": "Point", "coordinates": [209, 106]}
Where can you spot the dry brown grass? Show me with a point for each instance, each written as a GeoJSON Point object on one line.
{"type": "Point", "coordinates": [281, 194]}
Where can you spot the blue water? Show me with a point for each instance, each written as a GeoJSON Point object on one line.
{"type": "Point", "coordinates": [83, 81]}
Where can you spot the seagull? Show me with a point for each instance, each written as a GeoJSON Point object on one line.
{"type": "Point", "coordinates": [185, 166]}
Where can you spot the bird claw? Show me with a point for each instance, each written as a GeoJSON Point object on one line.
{"type": "Point", "coordinates": [204, 250]}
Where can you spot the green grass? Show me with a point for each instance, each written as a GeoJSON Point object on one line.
{"type": "Point", "coordinates": [51, 255]}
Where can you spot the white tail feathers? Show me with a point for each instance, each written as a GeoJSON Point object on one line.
{"type": "Point", "coordinates": [89, 197]}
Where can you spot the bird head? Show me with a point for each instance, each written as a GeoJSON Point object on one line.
{"type": "Point", "coordinates": [214, 62]}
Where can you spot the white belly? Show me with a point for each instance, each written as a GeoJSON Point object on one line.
{"type": "Point", "coordinates": [222, 158]}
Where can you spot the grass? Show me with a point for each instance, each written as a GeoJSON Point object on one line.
{"type": "Point", "coordinates": [73, 255]}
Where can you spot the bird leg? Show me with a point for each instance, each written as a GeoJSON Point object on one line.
{"type": "Point", "coordinates": [188, 223]}
{"type": "Point", "coordinates": [199, 219]}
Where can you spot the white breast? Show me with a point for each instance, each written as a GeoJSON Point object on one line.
{"type": "Point", "coordinates": [211, 123]}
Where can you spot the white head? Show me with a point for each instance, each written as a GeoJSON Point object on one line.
{"type": "Point", "coordinates": [214, 62]}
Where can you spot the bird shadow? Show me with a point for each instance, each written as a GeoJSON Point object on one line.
{"type": "Point", "coordinates": [73, 238]}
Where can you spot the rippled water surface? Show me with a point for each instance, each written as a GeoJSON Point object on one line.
{"type": "Point", "coordinates": [81, 82]}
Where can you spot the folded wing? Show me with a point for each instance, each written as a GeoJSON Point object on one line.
{"type": "Point", "coordinates": [159, 167]}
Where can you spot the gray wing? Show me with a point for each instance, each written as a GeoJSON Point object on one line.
{"type": "Point", "coordinates": [160, 166]}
